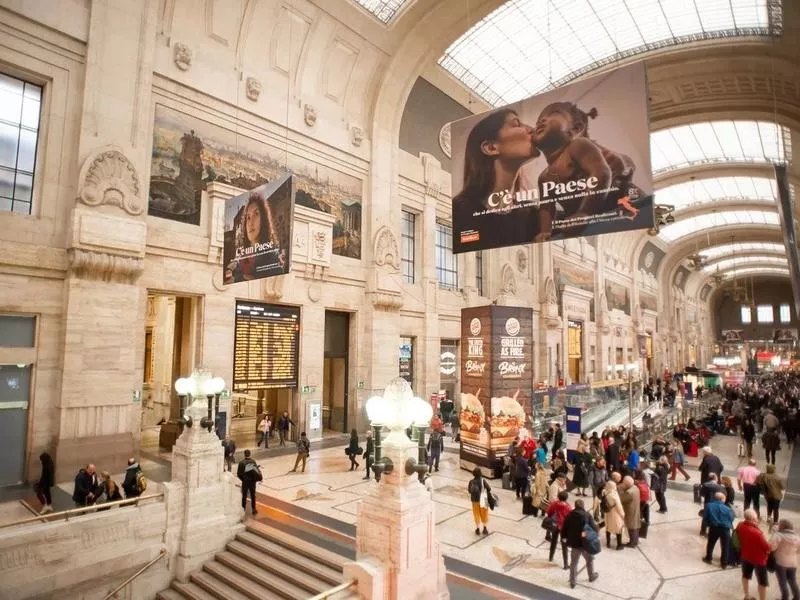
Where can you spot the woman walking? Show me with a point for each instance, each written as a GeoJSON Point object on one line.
{"type": "Point", "coordinates": [558, 511]}
{"type": "Point", "coordinates": [264, 426]}
{"type": "Point", "coordinates": [774, 489]}
{"type": "Point", "coordinates": [479, 491]}
{"type": "Point", "coordinates": [583, 463]}
{"type": "Point", "coordinates": [46, 481]}
{"type": "Point", "coordinates": [785, 544]}
{"type": "Point", "coordinates": [352, 450]}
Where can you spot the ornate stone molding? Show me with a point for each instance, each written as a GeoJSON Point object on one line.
{"type": "Point", "coordinates": [253, 88]}
{"type": "Point", "coordinates": [182, 56]}
{"type": "Point", "coordinates": [444, 140]}
{"type": "Point", "coordinates": [386, 250]}
{"type": "Point", "coordinates": [108, 177]}
{"type": "Point", "coordinates": [101, 266]}
{"type": "Point", "coordinates": [386, 301]}
{"type": "Point", "coordinates": [356, 136]}
{"type": "Point", "coordinates": [430, 170]}
{"type": "Point", "coordinates": [509, 279]}
{"type": "Point", "coordinates": [309, 115]}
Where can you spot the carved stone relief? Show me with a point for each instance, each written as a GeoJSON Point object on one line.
{"type": "Point", "coordinates": [310, 115]}
{"type": "Point", "coordinates": [182, 55]}
{"type": "Point", "coordinates": [550, 296]}
{"type": "Point", "coordinates": [108, 177]}
{"type": "Point", "coordinates": [386, 250]}
{"type": "Point", "coordinates": [444, 140]}
{"type": "Point", "coordinates": [522, 260]}
{"type": "Point", "coordinates": [104, 267]}
{"type": "Point", "coordinates": [253, 88]}
{"type": "Point", "coordinates": [430, 167]}
{"type": "Point", "coordinates": [356, 135]}
{"type": "Point", "coordinates": [509, 279]}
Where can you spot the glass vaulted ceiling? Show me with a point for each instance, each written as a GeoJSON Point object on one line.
{"type": "Point", "coordinates": [684, 227]}
{"type": "Point", "coordinates": [757, 271]}
{"type": "Point", "coordinates": [383, 10]}
{"type": "Point", "coordinates": [743, 261]}
{"type": "Point", "coordinates": [527, 46]}
{"type": "Point", "coordinates": [736, 248]}
{"type": "Point", "coordinates": [716, 142]}
{"type": "Point", "coordinates": [715, 189]}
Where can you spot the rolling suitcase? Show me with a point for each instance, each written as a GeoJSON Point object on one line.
{"type": "Point", "coordinates": [507, 481]}
{"type": "Point", "coordinates": [527, 505]}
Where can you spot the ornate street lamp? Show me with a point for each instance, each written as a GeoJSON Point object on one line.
{"type": "Point", "coordinates": [201, 384]}
{"type": "Point", "coordinates": [397, 409]}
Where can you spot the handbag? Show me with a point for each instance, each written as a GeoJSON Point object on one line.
{"type": "Point", "coordinates": [492, 500]}
{"type": "Point", "coordinates": [347, 451]}
{"type": "Point", "coordinates": [549, 524]}
{"type": "Point", "coordinates": [359, 451]}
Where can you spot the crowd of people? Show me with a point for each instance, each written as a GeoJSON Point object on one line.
{"type": "Point", "coordinates": [90, 489]}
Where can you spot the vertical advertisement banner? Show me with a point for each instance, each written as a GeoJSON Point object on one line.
{"type": "Point", "coordinates": [258, 232]}
{"type": "Point", "coordinates": [573, 430]}
{"type": "Point", "coordinates": [475, 383]}
{"type": "Point", "coordinates": [568, 163]}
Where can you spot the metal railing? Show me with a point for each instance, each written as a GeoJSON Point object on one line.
{"type": "Point", "coordinates": [113, 593]}
{"type": "Point", "coordinates": [73, 512]}
{"type": "Point", "coordinates": [342, 587]}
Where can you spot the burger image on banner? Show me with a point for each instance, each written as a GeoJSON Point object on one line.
{"type": "Point", "coordinates": [472, 416]}
{"type": "Point", "coordinates": [508, 417]}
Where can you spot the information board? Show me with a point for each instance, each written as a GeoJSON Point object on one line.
{"type": "Point", "coordinates": [266, 346]}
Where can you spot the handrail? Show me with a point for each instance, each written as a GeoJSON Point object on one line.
{"type": "Point", "coordinates": [333, 591]}
{"type": "Point", "coordinates": [113, 593]}
{"type": "Point", "coordinates": [82, 510]}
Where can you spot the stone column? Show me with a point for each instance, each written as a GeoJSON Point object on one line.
{"type": "Point", "coordinates": [204, 509]}
{"type": "Point", "coordinates": [104, 309]}
{"type": "Point", "coordinates": [397, 552]}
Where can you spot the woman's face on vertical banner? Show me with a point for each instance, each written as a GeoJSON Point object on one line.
{"type": "Point", "coordinates": [514, 140]}
{"type": "Point", "coordinates": [252, 223]}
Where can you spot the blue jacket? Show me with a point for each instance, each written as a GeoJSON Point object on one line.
{"type": "Point", "coordinates": [541, 456]}
{"type": "Point", "coordinates": [718, 514]}
{"type": "Point", "coordinates": [633, 460]}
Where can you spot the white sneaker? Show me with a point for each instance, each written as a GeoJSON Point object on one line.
{"type": "Point", "coordinates": [46, 509]}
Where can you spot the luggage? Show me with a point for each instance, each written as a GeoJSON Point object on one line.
{"type": "Point", "coordinates": [696, 493]}
{"type": "Point", "coordinates": [507, 481]}
{"type": "Point", "coordinates": [643, 530]}
{"type": "Point", "coordinates": [527, 505]}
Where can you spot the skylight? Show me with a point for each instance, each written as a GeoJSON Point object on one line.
{"type": "Point", "coordinates": [758, 271]}
{"type": "Point", "coordinates": [742, 261]}
{"type": "Point", "coordinates": [684, 227]}
{"type": "Point", "coordinates": [383, 10]}
{"type": "Point", "coordinates": [527, 46]}
{"type": "Point", "coordinates": [714, 189]}
{"type": "Point", "coordinates": [742, 248]}
{"type": "Point", "coordinates": [716, 142]}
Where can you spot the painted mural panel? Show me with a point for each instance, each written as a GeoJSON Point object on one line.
{"type": "Point", "coordinates": [568, 274]}
{"type": "Point", "coordinates": [618, 297]}
{"type": "Point", "coordinates": [188, 153]}
{"type": "Point", "coordinates": [681, 276]}
{"type": "Point", "coordinates": [648, 301]}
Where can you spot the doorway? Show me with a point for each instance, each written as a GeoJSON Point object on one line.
{"type": "Point", "coordinates": [170, 340]}
{"type": "Point", "coordinates": [334, 376]}
{"type": "Point", "coordinates": [575, 350]}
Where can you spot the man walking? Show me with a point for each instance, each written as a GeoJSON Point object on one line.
{"type": "Point", "coordinates": [303, 450]}
{"type": "Point", "coordinates": [283, 427]}
{"type": "Point", "coordinates": [369, 452]}
{"type": "Point", "coordinates": [573, 533]}
{"type": "Point", "coordinates": [435, 448]}
{"type": "Point", "coordinates": [249, 474]}
{"type": "Point", "coordinates": [230, 450]}
{"type": "Point", "coordinates": [746, 479]}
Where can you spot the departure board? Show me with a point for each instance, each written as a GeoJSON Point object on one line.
{"type": "Point", "coordinates": [266, 346]}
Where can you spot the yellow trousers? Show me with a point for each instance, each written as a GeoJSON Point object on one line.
{"type": "Point", "coordinates": [481, 515]}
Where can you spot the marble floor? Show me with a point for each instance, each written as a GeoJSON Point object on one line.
{"type": "Point", "coordinates": [665, 566]}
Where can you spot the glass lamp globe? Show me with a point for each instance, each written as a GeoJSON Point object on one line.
{"type": "Point", "coordinates": [375, 410]}
{"type": "Point", "coordinates": [183, 386]}
{"type": "Point", "coordinates": [423, 412]}
{"type": "Point", "coordinates": [219, 384]}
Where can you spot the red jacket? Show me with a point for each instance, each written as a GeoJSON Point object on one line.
{"type": "Point", "coordinates": [754, 547]}
{"type": "Point", "coordinates": [528, 446]}
{"type": "Point", "coordinates": [559, 511]}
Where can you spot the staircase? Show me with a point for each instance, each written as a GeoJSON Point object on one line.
{"type": "Point", "coordinates": [264, 563]}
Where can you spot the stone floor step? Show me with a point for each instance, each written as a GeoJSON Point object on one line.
{"type": "Point", "coordinates": [264, 579]}
{"type": "Point", "coordinates": [283, 554]}
{"type": "Point", "coordinates": [286, 571]}
{"type": "Point", "coordinates": [192, 591]}
{"type": "Point", "coordinates": [241, 583]}
{"type": "Point", "coordinates": [170, 594]}
{"type": "Point", "coordinates": [320, 555]}
{"type": "Point", "coordinates": [216, 587]}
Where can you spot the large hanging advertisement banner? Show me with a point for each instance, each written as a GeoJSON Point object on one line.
{"type": "Point", "coordinates": [786, 213]}
{"type": "Point", "coordinates": [496, 382]}
{"type": "Point", "coordinates": [258, 232]}
{"type": "Point", "coordinates": [568, 163]}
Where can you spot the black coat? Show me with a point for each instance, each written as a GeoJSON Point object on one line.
{"type": "Point", "coordinates": [370, 450]}
{"type": "Point", "coordinates": [48, 477]}
{"type": "Point", "coordinates": [474, 487]}
{"type": "Point", "coordinates": [86, 484]}
{"type": "Point", "coordinates": [129, 483]}
{"type": "Point", "coordinates": [710, 464]}
{"type": "Point", "coordinates": [612, 456]}
{"type": "Point", "coordinates": [574, 522]}
{"type": "Point", "coordinates": [558, 438]}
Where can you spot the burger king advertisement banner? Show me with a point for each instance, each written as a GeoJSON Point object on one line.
{"type": "Point", "coordinates": [496, 380]}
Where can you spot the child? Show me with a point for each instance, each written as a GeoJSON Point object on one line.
{"type": "Point", "coordinates": [561, 134]}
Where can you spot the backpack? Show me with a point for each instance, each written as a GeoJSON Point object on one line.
{"type": "Point", "coordinates": [141, 482]}
{"type": "Point", "coordinates": [591, 541]}
{"type": "Point", "coordinates": [604, 507]}
{"type": "Point", "coordinates": [644, 491]}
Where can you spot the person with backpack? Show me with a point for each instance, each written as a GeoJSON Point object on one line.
{"type": "Point", "coordinates": [480, 495]}
{"type": "Point", "coordinates": [303, 450]}
{"type": "Point", "coordinates": [134, 483]}
{"type": "Point", "coordinates": [249, 474]}
{"type": "Point", "coordinates": [644, 496]}
{"type": "Point", "coordinates": [580, 535]}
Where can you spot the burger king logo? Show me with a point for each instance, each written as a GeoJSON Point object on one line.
{"type": "Point", "coordinates": [475, 326]}
{"type": "Point", "coordinates": [512, 326]}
